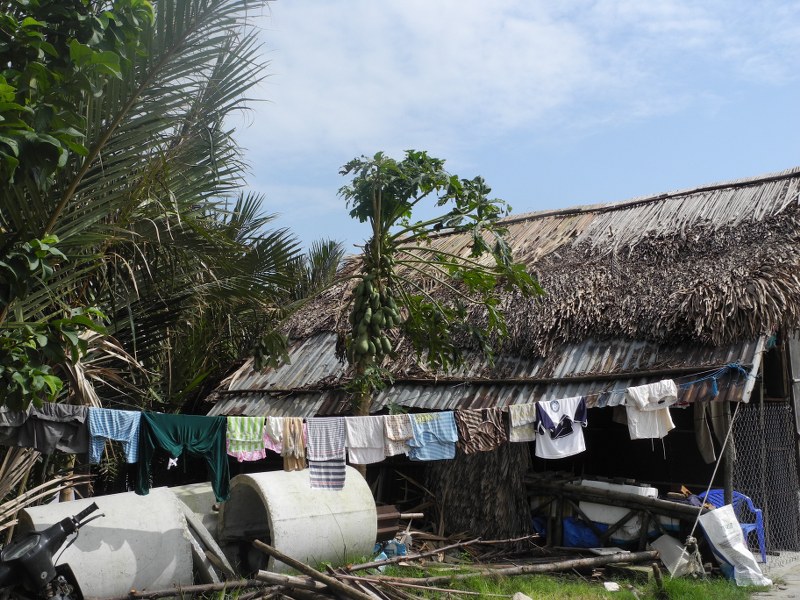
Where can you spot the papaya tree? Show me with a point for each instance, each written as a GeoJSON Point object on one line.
{"type": "Point", "coordinates": [417, 291]}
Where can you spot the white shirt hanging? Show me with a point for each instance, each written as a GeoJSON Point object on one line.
{"type": "Point", "coordinates": [559, 427]}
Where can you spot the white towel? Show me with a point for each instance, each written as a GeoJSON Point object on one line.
{"type": "Point", "coordinates": [522, 421]}
{"type": "Point", "coordinates": [365, 439]}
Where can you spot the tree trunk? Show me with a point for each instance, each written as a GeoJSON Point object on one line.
{"type": "Point", "coordinates": [483, 493]}
{"type": "Point", "coordinates": [363, 402]}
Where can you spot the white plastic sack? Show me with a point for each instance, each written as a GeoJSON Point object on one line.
{"type": "Point", "coordinates": [727, 542]}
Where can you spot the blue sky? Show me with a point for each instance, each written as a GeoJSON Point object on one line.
{"type": "Point", "coordinates": [553, 103]}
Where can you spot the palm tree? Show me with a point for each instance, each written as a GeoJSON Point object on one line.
{"type": "Point", "coordinates": [156, 233]}
{"type": "Point", "coordinates": [315, 270]}
{"type": "Point", "coordinates": [149, 213]}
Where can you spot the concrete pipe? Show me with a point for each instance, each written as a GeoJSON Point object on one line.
{"type": "Point", "coordinates": [200, 498]}
{"type": "Point", "coordinates": [310, 525]}
{"type": "Point", "coordinates": [141, 542]}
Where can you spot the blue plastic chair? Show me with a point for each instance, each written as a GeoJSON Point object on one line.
{"type": "Point", "coordinates": [740, 503]}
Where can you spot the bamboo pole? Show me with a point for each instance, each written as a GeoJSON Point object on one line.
{"type": "Point", "coordinates": [305, 583]}
{"type": "Point", "coordinates": [331, 582]}
{"type": "Point", "coordinates": [396, 559]}
{"type": "Point", "coordinates": [615, 498]}
{"type": "Point", "coordinates": [192, 589]}
{"type": "Point", "coordinates": [563, 565]}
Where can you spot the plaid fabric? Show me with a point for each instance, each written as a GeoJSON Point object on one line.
{"type": "Point", "coordinates": [398, 432]}
{"type": "Point", "coordinates": [109, 424]}
{"type": "Point", "coordinates": [522, 420]}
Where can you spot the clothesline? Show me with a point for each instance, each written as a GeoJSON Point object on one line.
{"type": "Point", "coordinates": [326, 442]}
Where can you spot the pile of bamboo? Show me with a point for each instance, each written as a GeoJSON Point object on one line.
{"type": "Point", "coordinates": [313, 584]}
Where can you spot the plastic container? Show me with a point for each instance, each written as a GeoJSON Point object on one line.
{"type": "Point", "coordinates": [609, 515]}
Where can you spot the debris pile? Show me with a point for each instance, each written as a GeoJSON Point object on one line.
{"type": "Point", "coordinates": [452, 562]}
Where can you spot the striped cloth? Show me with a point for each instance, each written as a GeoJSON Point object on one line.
{"type": "Point", "coordinates": [327, 474]}
{"type": "Point", "coordinates": [326, 449]}
{"type": "Point", "coordinates": [480, 430]}
{"type": "Point", "coordinates": [522, 420]}
{"type": "Point", "coordinates": [326, 438]}
{"type": "Point", "coordinates": [435, 436]}
{"type": "Point", "coordinates": [245, 438]}
{"type": "Point", "coordinates": [109, 424]}
{"type": "Point", "coordinates": [398, 432]}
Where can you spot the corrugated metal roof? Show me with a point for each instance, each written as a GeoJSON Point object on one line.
{"type": "Point", "coordinates": [311, 384]}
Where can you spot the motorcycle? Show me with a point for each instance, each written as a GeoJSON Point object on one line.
{"type": "Point", "coordinates": [27, 565]}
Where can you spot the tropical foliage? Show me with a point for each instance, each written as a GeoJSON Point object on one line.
{"type": "Point", "coordinates": [131, 264]}
{"type": "Point", "coordinates": [402, 275]}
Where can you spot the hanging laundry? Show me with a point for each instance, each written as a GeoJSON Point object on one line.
{"type": "Point", "coordinates": [480, 430]}
{"type": "Point", "coordinates": [559, 427]}
{"type": "Point", "coordinates": [326, 438]}
{"type": "Point", "coordinates": [365, 439]}
{"type": "Point", "coordinates": [110, 424]}
{"type": "Point", "coordinates": [397, 434]}
{"type": "Point", "coordinates": [273, 434]}
{"type": "Point", "coordinates": [522, 422]}
{"type": "Point", "coordinates": [435, 436]}
{"type": "Point", "coordinates": [245, 438]}
{"type": "Point", "coordinates": [293, 447]}
{"type": "Point", "coordinates": [195, 434]}
{"type": "Point", "coordinates": [327, 474]}
{"type": "Point", "coordinates": [47, 428]}
{"type": "Point", "coordinates": [647, 409]}
{"type": "Point", "coordinates": [326, 452]}
{"type": "Point", "coordinates": [718, 415]}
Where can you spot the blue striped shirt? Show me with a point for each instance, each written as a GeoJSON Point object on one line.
{"type": "Point", "coordinates": [111, 424]}
{"type": "Point", "coordinates": [435, 436]}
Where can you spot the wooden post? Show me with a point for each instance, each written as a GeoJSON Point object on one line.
{"type": "Point", "coordinates": [727, 462]}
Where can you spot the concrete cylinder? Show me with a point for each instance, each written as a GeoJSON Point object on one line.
{"type": "Point", "coordinates": [141, 542]}
{"type": "Point", "coordinates": [200, 498]}
{"type": "Point", "coordinates": [281, 509]}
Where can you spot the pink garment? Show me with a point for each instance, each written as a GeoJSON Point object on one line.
{"type": "Point", "coordinates": [244, 438]}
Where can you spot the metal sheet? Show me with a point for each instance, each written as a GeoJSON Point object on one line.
{"type": "Point", "coordinates": [311, 384]}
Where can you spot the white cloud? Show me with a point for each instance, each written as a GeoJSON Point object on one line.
{"type": "Point", "coordinates": [361, 75]}
{"type": "Point", "coordinates": [461, 77]}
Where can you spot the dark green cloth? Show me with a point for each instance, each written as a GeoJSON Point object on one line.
{"type": "Point", "coordinates": [197, 434]}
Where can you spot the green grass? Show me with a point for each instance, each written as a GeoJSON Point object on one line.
{"type": "Point", "coordinates": [573, 587]}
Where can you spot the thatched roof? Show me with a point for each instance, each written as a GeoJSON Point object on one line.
{"type": "Point", "coordinates": [666, 286]}
{"type": "Point", "coordinates": [713, 265]}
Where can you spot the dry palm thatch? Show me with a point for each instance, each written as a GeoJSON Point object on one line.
{"type": "Point", "coordinates": [14, 474]}
{"type": "Point", "coordinates": [483, 493]}
{"type": "Point", "coordinates": [711, 265]}
{"type": "Point", "coordinates": [15, 469]}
